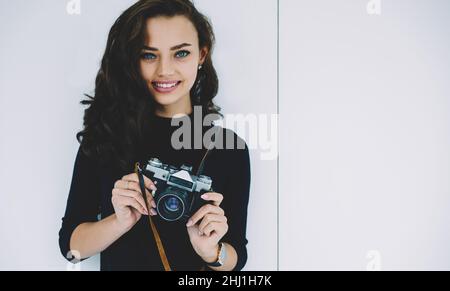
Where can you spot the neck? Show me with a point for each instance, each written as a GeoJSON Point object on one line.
{"type": "Point", "coordinates": [182, 106]}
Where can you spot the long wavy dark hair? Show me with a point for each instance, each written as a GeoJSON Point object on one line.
{"type": "Point", "coordinates": [113, 121]}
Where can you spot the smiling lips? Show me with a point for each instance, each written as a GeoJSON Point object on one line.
{"type": "Point", "coordinates": [165, 86]}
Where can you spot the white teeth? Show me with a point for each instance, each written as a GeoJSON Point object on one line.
{"type": "Point", "coordinates": [161, 85]}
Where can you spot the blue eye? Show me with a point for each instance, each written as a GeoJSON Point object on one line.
{"type": "Point", "coordinates": [183, 54]}
{"type": "Point", "coordinates": [147, 56]}
{"type": "Point", "coordinates": [150, 56]}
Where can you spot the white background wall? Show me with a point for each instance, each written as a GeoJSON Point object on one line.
{"type": "Point", "coordinates": [364, 126]}
{"type": "Point", "coordinates": [368, 166]}
{"type": "Point", "coordinates": [48, 59]}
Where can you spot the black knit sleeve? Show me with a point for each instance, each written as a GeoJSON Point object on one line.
{"type": "Point", "coordinates": [235, 204]}
{"type": "Point", "coordinates": [83, 202]}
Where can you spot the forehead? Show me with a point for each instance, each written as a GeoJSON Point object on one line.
{"type": "Point", "coordinates": [164, 32]}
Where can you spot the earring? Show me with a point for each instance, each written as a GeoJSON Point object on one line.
{"type": "Point", "coordinates": [200, 67]}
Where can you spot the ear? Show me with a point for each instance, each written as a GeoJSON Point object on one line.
{"type": "Point", "coordinates": [203, 54]}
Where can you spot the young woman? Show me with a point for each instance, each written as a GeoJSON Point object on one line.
{"type": "Point", "coordinates": [157, 64]}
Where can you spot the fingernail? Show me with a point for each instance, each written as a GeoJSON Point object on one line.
{"type": "Point", "coordinates": [204, 196]}
{"type": "Point", "coordinates": [145, 211]}
{"type": "Point", "coordinates": [153, 211]}
{"type": "Point", "coordinates": [153, 203]}
{"type": "Point", "coordinates": [189, 223]}
{"type": "Point", "coordinates": [153, 187]}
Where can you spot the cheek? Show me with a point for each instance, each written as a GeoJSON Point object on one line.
{"type": "Point", "coordinates": [191, 80]}
{"type": "Point", "coordinates": [190, 74]}
{"type": "Point", "coordinates": [146, 71]}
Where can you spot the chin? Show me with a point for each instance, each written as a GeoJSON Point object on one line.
{"type": "Point", "coordinates": [166, 100]}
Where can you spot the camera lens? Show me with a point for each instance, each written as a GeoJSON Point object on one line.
{"type": "Point", "coordinates": [172, 204]}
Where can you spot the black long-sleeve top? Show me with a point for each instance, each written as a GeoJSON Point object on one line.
{"type": "Point", "coordinates": [91, 190]}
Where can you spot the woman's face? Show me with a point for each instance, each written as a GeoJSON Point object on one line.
{"type": "Point", "coordinates": [170, 60]}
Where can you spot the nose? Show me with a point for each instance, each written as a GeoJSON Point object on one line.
{"type": "Point", "coordinates": [166, 67]}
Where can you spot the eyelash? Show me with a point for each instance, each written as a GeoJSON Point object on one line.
{"type": "Point", "coordinates": [145, 56]}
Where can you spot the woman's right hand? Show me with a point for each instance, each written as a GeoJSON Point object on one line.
{"type": "Point", "coordinates": [128, 202]}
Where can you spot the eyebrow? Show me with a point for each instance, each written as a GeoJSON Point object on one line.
{"type": "Point", "coordinates": [172, 48]}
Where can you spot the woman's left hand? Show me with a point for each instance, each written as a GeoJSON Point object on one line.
{"type": "Point", "coordinates": [205, 236]}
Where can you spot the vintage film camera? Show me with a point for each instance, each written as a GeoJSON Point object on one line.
{"type": "Point", "coordinates": [179, 191]}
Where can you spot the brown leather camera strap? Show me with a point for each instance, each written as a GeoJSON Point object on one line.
{"type": "Point", "coordinates": [159, 244]}
{"type": "Point", "coordinates": [162, 253]}
{"type": "Point", "coordinates": [208, 150]}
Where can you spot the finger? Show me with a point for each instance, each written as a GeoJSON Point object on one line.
{"type": "Point", "coordinates": [214, 197]}
{"type": "Point", "coordinates": [131, 194]}
{"type": "Point", "coordinates": [124, 184]}
{"type": "Point", "coordinates": [135, 212]}
{"type": "Point", "coordinates": [150, 200]}
{"type": "Point", "coordinates": [147, 182]}
{"type": "Point", "coordinates": [208, 208]}
{"type": "Point", "coordinates": [129, 202]}
{"type": "Point", "coordinates": [210, 218]}
{"type": "Point", "coordinates": [218, 227]}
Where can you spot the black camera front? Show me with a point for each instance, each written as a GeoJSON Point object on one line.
{"type": "Point", "coordinates": [178, 194]}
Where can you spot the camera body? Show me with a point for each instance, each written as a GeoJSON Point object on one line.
{"type": "Point", "coordinates": [178, 195]}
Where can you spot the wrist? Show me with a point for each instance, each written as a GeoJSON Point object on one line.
{"type": "Point", "coordinates": [220, 256]}
{"type": "Point", "coordinates": [120, 226]}
{"type": "Point", "coordinates": [212, 255]}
